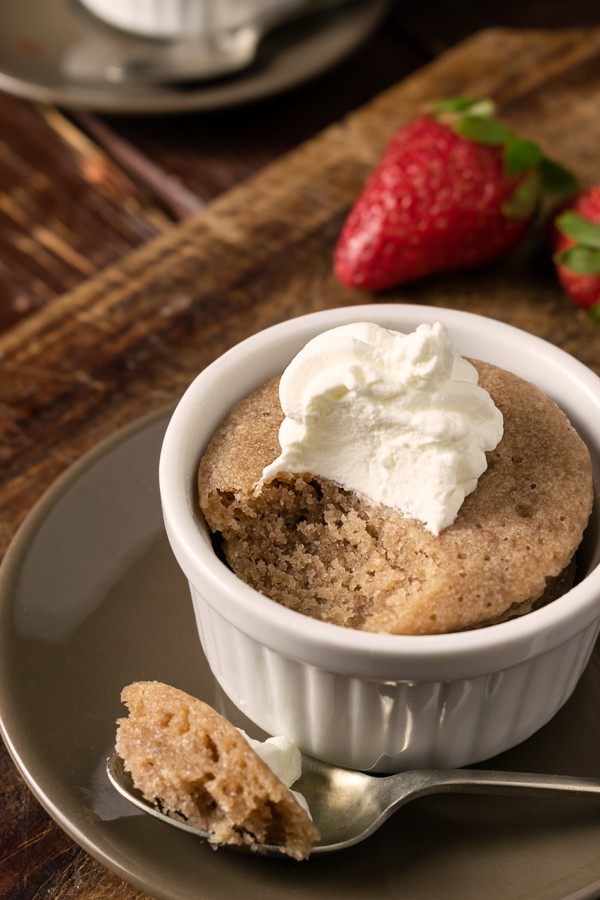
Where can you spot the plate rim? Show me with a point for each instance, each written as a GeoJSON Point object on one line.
{"type": "Point", "coordinates": [13, 559]}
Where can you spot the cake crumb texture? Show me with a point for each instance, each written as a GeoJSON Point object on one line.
{"type": "Point", "coordinates": [329, 553]}
{"type": "Point", "coordinates": [195, 766]}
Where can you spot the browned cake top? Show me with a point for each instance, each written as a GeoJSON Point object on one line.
{"type": "Point", "coordinates": [332, 554]}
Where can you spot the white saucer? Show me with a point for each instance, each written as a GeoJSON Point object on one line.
{"type": "Point", "coordinates": [45, 46]}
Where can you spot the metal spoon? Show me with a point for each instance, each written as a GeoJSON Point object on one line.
{"type": "Point", "coordinates": [349, 806]}
{"type": "Point", "coordinates": [211, 54]}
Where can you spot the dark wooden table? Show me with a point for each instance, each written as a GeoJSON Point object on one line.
{"type": "Point", "coordinates": [78, 193]}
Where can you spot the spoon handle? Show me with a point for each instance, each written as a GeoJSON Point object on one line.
{"type": "Point", "coordinates": [480, 781]}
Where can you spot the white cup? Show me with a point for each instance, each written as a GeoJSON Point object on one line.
{"type": "Point", "coordinates": [183, 18]}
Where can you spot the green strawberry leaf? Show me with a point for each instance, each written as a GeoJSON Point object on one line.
{"type": "Point", "coordinates": [483, 129]}
{"type": "Point", "coordinates": [556, 179]}
{"type": "Point", "coordinates": [582, 260]}
{"type": "Point", "coordinates": [474, 119]}
{"type": "Point", "coordinates": [595, 314]}
{"type": "Point", "coordinates": [524, 199]}
{"type": "Point", "coordinates": [582, 230]}
{"type": "Point", "coordinates": [520, 156]}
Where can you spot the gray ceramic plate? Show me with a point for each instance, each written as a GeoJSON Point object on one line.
{"type": "Point", "coordinates": [91, 600]}
{"type": "Point", "coordinates": [45, 48]}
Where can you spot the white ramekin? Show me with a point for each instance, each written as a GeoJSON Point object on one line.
{"type": "Point", "coordinates": [374, 701]}
{"type": "Point", "coordinates": [178, 18]}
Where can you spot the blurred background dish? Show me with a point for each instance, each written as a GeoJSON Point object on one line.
{"type": "Point", "coordinates": [175, 18]}
{"type": "Point", "coordinates": [53, 52]}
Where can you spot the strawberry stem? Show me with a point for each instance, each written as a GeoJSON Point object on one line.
{"type": "Point", "coordinates": [474, 106]}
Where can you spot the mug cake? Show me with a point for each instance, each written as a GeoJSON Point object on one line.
{"type": "Point", "coordinates": [309, 540]}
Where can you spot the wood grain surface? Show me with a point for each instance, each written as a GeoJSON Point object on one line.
{"type": "Point", "coordinates": [131, 339]}
{"type": "Point", "coordinates": [78, 191]}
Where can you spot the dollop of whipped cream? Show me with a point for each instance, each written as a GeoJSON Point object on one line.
{"type": "Point", "coordinates": [399, 418]}
{"type": "Point", "coordinates": [283, 758]}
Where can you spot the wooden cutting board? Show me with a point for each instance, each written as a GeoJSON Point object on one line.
{"type": "Point", "coordinates": [131, 339]}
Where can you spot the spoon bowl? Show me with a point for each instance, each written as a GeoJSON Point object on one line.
{"type": "Point", "coordinates": [348, 806]}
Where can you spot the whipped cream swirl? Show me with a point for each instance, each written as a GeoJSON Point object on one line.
{"type": "Point", "coordinates": [398, 418]}
{"type": "Point", "coordinates": [283, 758]}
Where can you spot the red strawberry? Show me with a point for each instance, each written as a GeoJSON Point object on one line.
{"type": "Point", "coordinates": [577, 250]}
{"type": "Point", "coordinates": [454, 189]}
